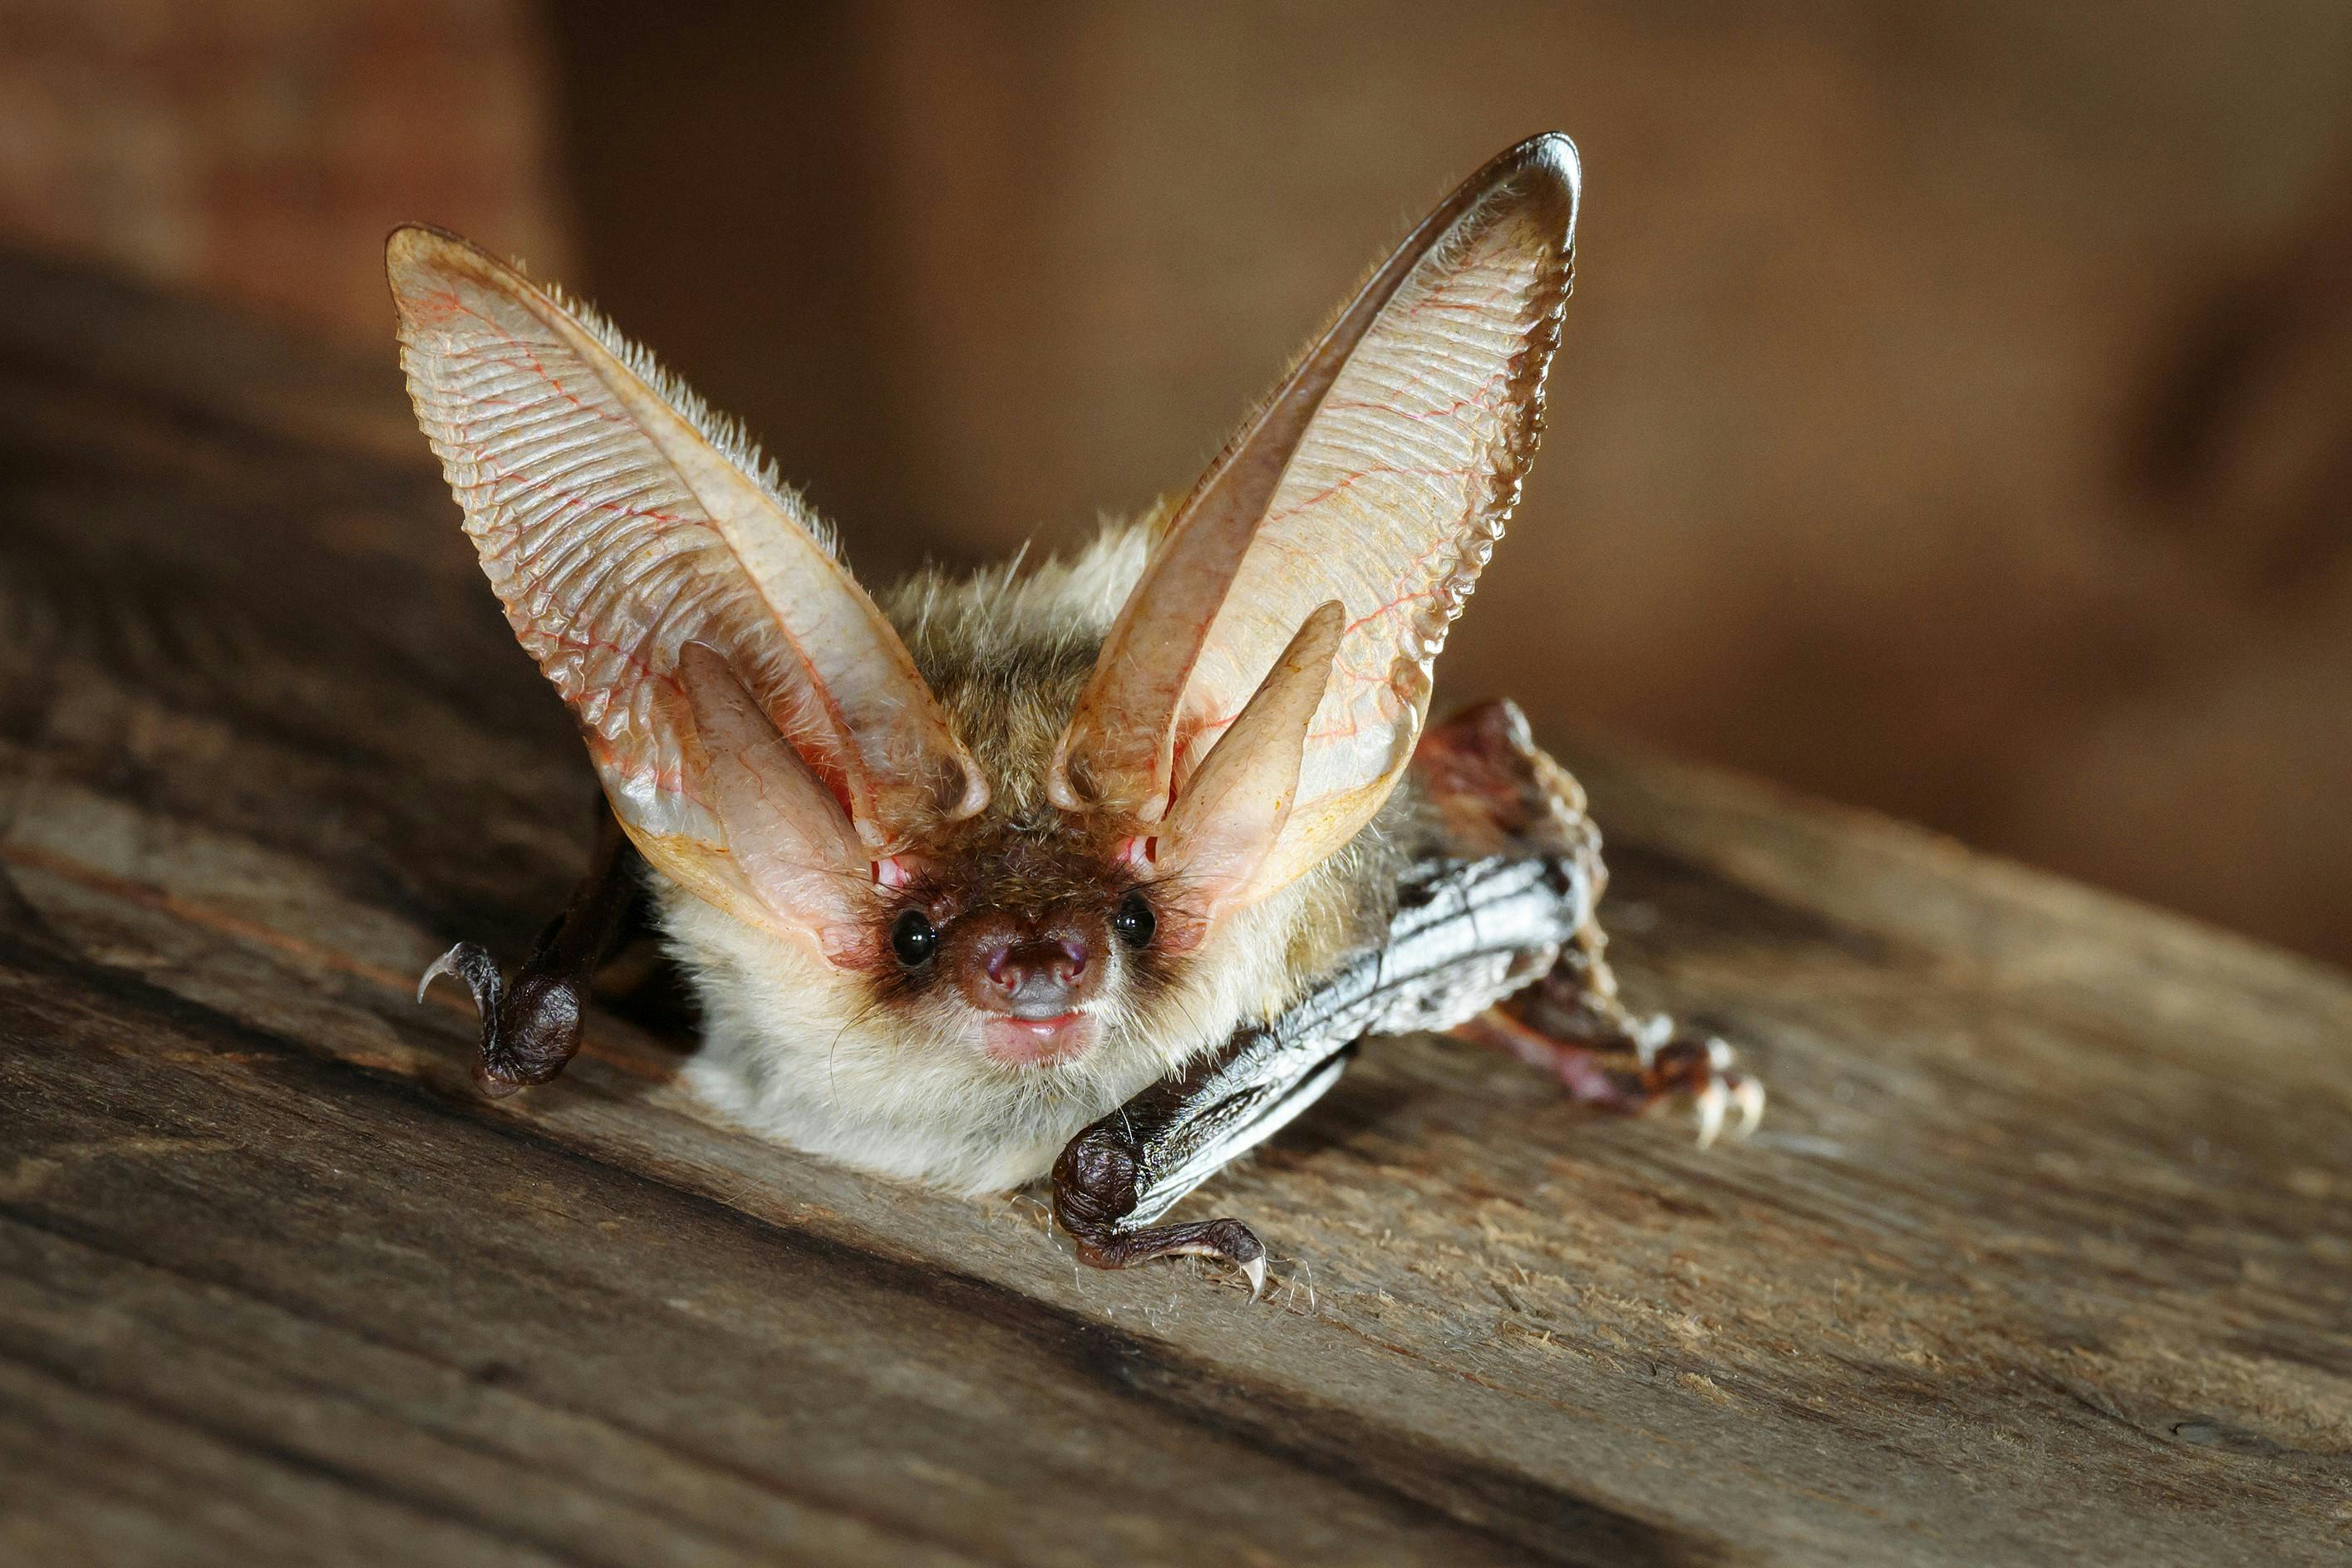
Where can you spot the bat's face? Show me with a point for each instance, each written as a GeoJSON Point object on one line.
{"type": "Point", "coordinates": [1017, 946]}
{"type": "Point", "coordinates": [1031, 945]}
{"type": "Point", "coordinates": [974, 864]}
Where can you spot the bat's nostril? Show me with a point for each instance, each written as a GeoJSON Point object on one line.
{"type": "Point", "coordinates": [1033, 977]}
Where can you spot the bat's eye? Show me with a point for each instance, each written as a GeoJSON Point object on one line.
{"type": "Point", "coordinates": [914, 939]}
{"type": "Point", "coordinates": [1135, 922]}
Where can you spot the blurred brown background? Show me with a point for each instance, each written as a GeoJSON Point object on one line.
{"type": "Point", "coordinates": [1954, 415]}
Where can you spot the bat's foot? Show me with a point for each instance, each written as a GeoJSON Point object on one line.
{"type": "Point", "coordinates": [1631, 1065]}
{"type": "Point", "coordinates": [1095, 1191]}
{"type": "Point", "coordinates": [528, 1030]}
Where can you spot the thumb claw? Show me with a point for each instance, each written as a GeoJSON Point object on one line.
{"type": "Point", "coordinates": [470, 963]}
{"type": "Point", "coordinates": [444, 965]}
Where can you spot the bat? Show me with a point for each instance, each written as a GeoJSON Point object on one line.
{"type": "Point", "coordinates": [1096, 869]}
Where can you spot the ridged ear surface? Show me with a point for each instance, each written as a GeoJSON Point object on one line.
{"type": "Point", "coordinates": [619, 524]}
{"type": "Point", "coordinates": [1379, 474]}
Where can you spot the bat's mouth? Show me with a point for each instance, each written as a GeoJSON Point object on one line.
{"type": "Point", "coordinates": [1037, 1042]}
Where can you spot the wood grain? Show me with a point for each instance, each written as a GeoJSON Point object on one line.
{"type": "Point", "coordinates": [2040, 1256]}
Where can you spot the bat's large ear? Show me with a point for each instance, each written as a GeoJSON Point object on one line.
{"type": "Point", "coordinates": [1380, 474]}
{"type": "Point", "coordinates": [620, 523]}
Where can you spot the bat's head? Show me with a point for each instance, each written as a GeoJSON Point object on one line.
{"type": "Point", "coordinates": [1021, 844]}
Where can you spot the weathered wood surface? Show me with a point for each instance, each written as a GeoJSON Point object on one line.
{"type": "Point", "coordinates": [2041, 1256]}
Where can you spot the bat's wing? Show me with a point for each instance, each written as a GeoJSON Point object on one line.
{"type": "Point", "coordinates": [758, 726]}
{"type": "Point", "coordinates": [1379, 476]}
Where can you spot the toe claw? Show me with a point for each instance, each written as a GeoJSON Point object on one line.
{"type": "Point", "coordinates": [1748, 1093]}
{"type": "Point", "coordinates": [1710, 1103]}
{"type": "Point", "coordinates": [1256, 1271]}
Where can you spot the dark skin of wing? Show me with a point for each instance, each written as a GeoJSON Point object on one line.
{"type": "Point", "coordinates": [1494, 924]}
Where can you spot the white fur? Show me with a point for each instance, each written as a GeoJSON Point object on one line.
{"type": "Point", "coordinates": [783, 1054]}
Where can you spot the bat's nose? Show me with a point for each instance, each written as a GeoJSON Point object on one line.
{"type": "Point", "coordinates": [1037, 979]}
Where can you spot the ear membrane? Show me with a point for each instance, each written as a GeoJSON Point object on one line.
{"type": "Point", "coordinates": [1221, 831]}
{"type": "Point", "coordinates": [620, 522]}
{"type": "Point", "coordinates": [1381, 474]}
{"type": "Point", "coordinates": [783, 831]}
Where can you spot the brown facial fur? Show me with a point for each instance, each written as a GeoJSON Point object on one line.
{"type": "Point", "coordinates": [1008, 665]}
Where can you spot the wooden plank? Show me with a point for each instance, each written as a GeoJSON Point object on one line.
{"type": "Point", "coordinates": [2040, 1255]}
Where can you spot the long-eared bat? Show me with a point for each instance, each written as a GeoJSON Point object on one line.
{"type": "Point", "coordinates": [1097, 868]}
